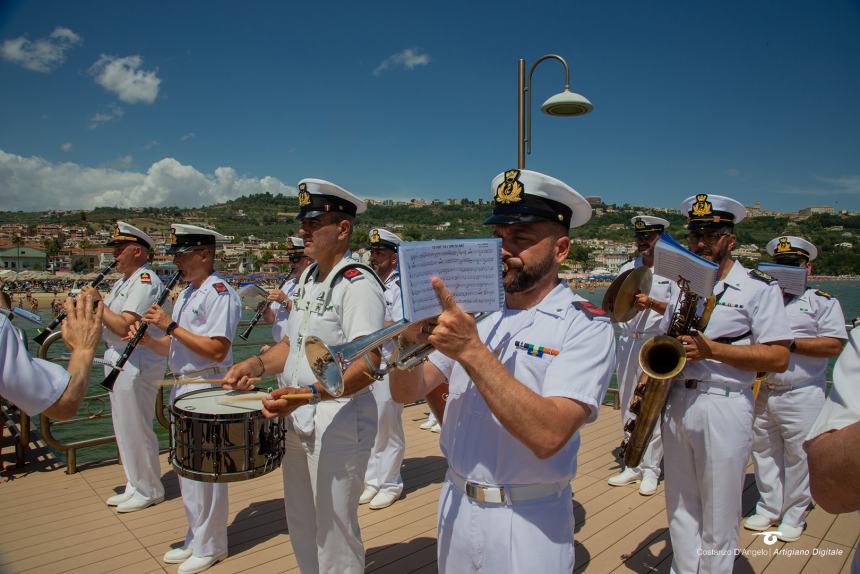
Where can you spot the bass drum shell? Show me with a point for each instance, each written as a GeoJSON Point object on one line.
{"type": "Point", "coordinates": [213, 442]}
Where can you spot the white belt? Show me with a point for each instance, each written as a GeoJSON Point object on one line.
{"type": "Point", "coordinates": [503, 494]}
{"type": "Point", "coordinates": [780, 388]}
{"type": "Point", "coordinates": [719, 389]}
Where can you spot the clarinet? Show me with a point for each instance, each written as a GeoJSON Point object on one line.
{"type": "Point", "coordinates": [247, 332]}
{"type": "Point", "coordinates": [110, 379]}
{"type": "Point", "coordinates": [40, 338]}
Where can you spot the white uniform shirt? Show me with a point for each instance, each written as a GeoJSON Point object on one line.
{"type": "Point", "coordinates": [393, 300]}
{"type": "Point", "coordinates": [32, 384]}
{"type": "Point", "coordinates": [842, 407]}
{"type": "Point", "coordinates": [282, 314]}
{"type": "Point", "coordinates": [555, 350]}
{"type": "Point", "coordinates": [213, 310]}
{"type": "Point", "coordinates": [746, 305]}
{"type": "Point", "coordinates": [135, 295]}
{"type": "Point", "coordinates": [355, 308]}
{"type": "Point", "coordinates": [811, 315]}
{"type": "Point", "coordinates": [648, 321]}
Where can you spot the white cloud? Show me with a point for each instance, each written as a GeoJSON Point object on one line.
{"type": "Point", "coordinates": [33, 183]}
{"type": "Point", "coordinates": [188, 136]}
{"type": "Point", "coordinates": [150, 144]}
{"type": "Point", "coordinates": [66, 147]}
{"type": "Point", "coordinates": [114, 112]}
{"type": "Point", "coordinates": [827, 186]}
{"type": "Point", "coordinates": [408, 59]}
{"type": "Point", "coordinates": [43, 55]}
{"type": "Point", "coordinates": [124, 77]}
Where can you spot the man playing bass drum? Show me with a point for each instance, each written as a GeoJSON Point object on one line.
{"type": "Point", "coordinates": [133, 397]}
{"type": "Point", "coordinates": [522, 383]}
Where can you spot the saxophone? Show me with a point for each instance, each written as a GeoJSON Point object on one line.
{"type": "Point", "coordinates": [661, 358]}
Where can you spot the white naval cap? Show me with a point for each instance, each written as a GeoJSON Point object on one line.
{"type": "Point", "coordinates": [705, 210]}
{"type": "Point", "coordinates": [383, 239]}
{"type": "Point", "coordinates": [524, 196]}
{"type": "Point", "coordinates": [791, 246]}
{"type": "Point", "coordinates": [317, 196]}
{"type": "Point", "coordinates": [123, 231]}
{"type": "Point", "coordinates": [648, 223]}
{"type": "Point", "coordinates": [295, 245]}
{"type": "Point", "coordinates": [184, 237]}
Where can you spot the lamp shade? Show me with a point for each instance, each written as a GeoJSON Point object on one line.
{"type": "Point", "coordinates": [567, 103]}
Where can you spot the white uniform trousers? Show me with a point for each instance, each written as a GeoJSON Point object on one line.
{"type": "Point", "coordinates": [707, 438]}
{"type": "Point", "coordinates": [627, 375]}
{"type": "Point", "coordinates": [132, 404]}
{"type": "Point", "coordinates": [206, 503]}
{"type": "Point", "coordinates": [383, 468]}
{"type": "Point", "coordinates": [783, 419]}
{"type": "Point", "coordinates": [532, 536]}
{"type": "Point", "coordinates": [323, 480]}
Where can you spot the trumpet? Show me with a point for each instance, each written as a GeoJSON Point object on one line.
{"type": "Point", "coordinates": [328, 363]}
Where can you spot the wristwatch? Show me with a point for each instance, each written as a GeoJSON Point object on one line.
{"type": "Point", "coordinates": [170, 328]}
{"type": "Point", "coordinates": [316, 395]}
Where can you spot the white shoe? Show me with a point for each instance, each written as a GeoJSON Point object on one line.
{"type": "Point", "coordinates": [118, 499]}
{"type": "Point", "coordinates": [648, 486]}
{"type": "Point", "coordinates": [177, 555]}
{"type": "Point", "coordinates": [138, 502]}
{"type": "Point", "coordinates": [787, 533]}
{"type": "Point", "coordinates": [437, 428]}
{"type": "Point", "coordinates": [383, 500]}
{"type": "Point", "coordinates": [757, 522]}
{"type": "Point", "coordinates": [367, 495]}
{"type": "Point", "coordinates": [427, 425]}
{"type": "Point", "coordinates": [200, 563]}
{"type": "Point", "coordinates": [626, 476]}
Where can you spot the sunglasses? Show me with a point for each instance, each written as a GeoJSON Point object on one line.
{"type": "Point", "coordinates": [705, 236]}
{"type": "Point", "coordinates": [791, 261]}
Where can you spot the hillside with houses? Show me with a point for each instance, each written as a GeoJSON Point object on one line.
{"type": "Point", "coordinates": [256, 227]}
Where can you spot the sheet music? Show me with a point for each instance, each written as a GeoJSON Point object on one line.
{"type": "Point", "coordinates": [674, 261]}
{"type": "Point", "coordinates": [470, 268]}
{"type": "Point", "coordinates": [792, 279]}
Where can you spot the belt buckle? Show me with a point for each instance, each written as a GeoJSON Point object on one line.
{"type": "Point", "coordinates": [485, 494]}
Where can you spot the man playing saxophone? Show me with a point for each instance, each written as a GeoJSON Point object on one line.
{"type": "Point", "coordinates": [522, 383]}
{"type": "Point", "coordinates": [707, 424]}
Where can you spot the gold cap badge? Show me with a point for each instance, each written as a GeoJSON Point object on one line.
{"type": "Point", "coordinates": [374, 236]}
{"type": "Point", "coordinates": [639, 224]}
{"type": "Point", "coordinates": [783, 246]}
{"type": "Point", "coordinates": [172, 236]}
{"type": "Point", "coordinates": [510, 190]}
{"type": "Point", "coordinates": [702, 206]}
{"type": "Point", "coordinates": [304, 196]}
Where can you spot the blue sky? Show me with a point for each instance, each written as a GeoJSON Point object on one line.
{"type": "Point", "coordinates": [186, 103]}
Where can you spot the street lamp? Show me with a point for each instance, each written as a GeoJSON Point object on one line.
{"type": "Point", "coordinates": [565, 103]}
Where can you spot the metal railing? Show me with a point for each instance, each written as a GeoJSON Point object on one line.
{"type": "Point", "coordinates": [97, 408]}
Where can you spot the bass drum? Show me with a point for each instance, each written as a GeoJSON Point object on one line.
{"type": "Point", "coordinates": [214, 440]}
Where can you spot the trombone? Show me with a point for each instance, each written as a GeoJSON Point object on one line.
{"type": "Point", "coordinates": [329, 362]}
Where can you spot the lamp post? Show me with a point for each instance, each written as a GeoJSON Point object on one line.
{"type": "Point", "coordinates": [565, 103]}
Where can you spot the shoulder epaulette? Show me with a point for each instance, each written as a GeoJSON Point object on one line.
{"type": "Point", "coordinates": [590, 311]}
{"type": "Point", "coordinates": [824, 294]}
{"type": "Point", "coordinates": [761, 276]}
{"type": "Point", "coordinates": [352, 273]}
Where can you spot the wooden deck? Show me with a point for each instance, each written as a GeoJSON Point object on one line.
{"type": "Point", "coordinates": [53, 522]}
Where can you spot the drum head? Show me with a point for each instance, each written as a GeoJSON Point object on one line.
{"type": "Point", "coordinates": [217, 402]}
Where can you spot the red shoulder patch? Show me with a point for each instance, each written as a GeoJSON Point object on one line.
{"type": "Point", "coordinates": [591, 311]}
{"type": "Point", "coordinates": [351, 273]}
{"type": "Point", "coordinates": [145, 278]}
{"type": "Point", "coordinates": [220, 287]}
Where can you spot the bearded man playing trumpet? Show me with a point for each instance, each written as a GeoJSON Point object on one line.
{"type": "Point", "coordinates": [522, 383]}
